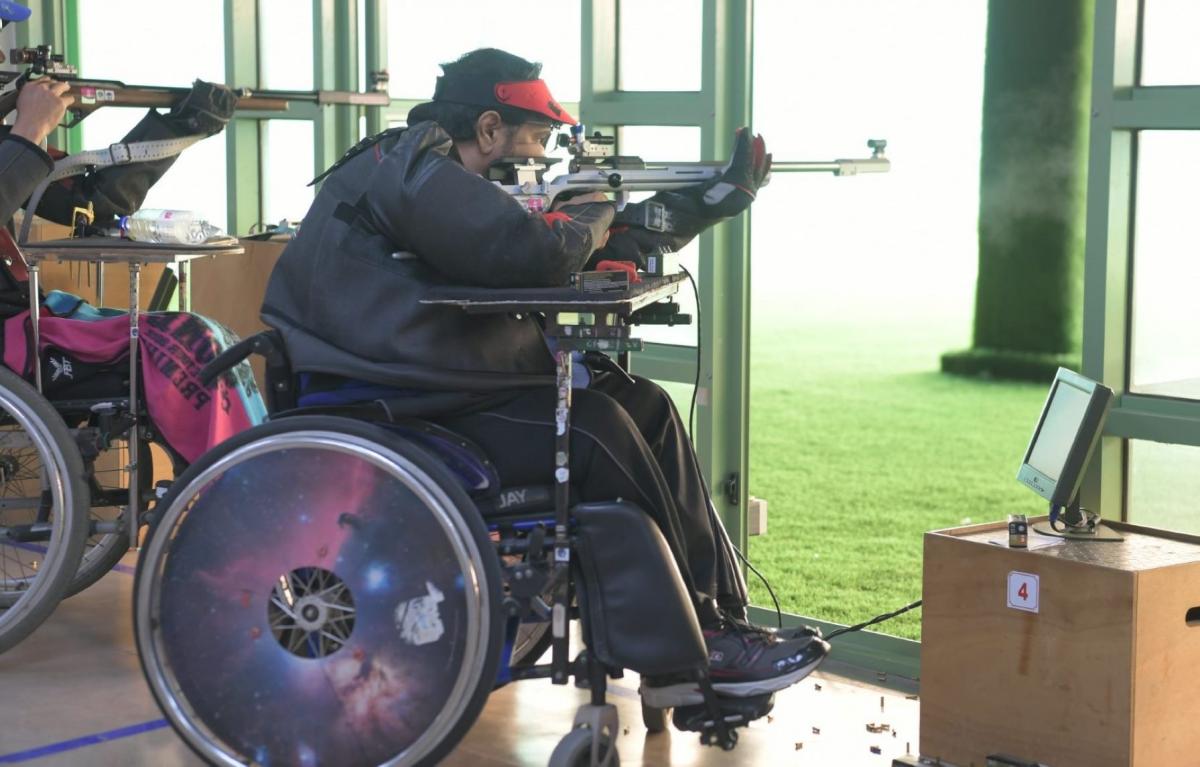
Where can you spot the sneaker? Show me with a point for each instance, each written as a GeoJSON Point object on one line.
{"type": "Point", "coordinates": [785, 633]}
{"type": "Point", "coordinates": [743, 660]}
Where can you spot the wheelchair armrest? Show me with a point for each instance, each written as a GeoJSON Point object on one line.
{"type": "Point", "coordinates": [226, 360]}
{"type": "Point", "coordinates": [269, 345]}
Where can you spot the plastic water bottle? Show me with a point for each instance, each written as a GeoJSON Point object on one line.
{"type": "Point", "coordinates": [181, 227]}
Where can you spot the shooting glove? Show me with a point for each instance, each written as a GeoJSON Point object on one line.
{"type": "Point", "coordinates": [206, 109]}
{"type": "Point", "coordinates": [639, 230]}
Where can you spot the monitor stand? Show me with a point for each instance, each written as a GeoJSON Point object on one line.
{"type": "Point", "coordinates": [1078, 524]}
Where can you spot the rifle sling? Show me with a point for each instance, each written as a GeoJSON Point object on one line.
{"type": "Point", "coordinates": [115, 154]}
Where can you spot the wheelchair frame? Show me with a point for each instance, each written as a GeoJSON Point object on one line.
{"type": "Point", "coordinates": [549, 563]}
{"type": "Point", "coordinates": [94, 423]}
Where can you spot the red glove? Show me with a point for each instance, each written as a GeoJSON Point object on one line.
{"type": "Point", "coordinates": [620, 266]}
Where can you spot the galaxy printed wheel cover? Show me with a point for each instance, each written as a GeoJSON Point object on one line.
{"type": "Point", "coordinates": [313, 608]}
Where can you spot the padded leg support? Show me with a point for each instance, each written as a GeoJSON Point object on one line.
{"type": "Point", "coordinates": [640, 615]}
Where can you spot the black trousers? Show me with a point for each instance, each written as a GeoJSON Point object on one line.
{"type": "Point", "coordinates": [627, 441]}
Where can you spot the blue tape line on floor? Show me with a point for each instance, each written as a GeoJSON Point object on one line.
{"type": "Point", "coordinates": [86, 740]}
{"type": "Point", "coordinates": [120, 568]}
{"type": "Point", "coordinates": [26, 546]}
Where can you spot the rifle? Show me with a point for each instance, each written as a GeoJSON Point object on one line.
{"type": "Point", "coordinates": [595, 167]}
{"type": "Point", "coordinates": [91, 94]}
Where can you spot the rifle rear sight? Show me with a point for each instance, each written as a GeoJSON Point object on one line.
{"type": "Point", "coordinates": [42, 60]}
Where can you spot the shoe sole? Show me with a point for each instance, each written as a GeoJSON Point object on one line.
{"type": "Point", "coordinates": [764, 686]}
{"type": "Point", "coordinates": [688, 693]}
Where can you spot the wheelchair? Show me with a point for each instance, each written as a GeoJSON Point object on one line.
{"type": "Point", "coordinates": [336, 586]}
{"type": "Point", "coordinates": [65, 469]}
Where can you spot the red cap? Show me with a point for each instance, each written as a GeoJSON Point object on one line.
{"type": "Point", "coordinates": [529, 95]}
{"type": "Point", "coordinates": [532, 96]}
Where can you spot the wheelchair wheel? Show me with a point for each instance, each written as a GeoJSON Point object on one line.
{"type": "Point", "coordinates": [317, 590]}
{"type": "Point", "coordinates": [531, 643]}
{"type": "Point", "coordinates": [42, 496]}
{"type": "Point", "coordinates": [107, 476]}
{"type": "Point", "coordinates": [575, 750]}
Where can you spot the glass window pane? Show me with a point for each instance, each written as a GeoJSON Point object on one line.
{"type": "Point", "coordinates": [1166, 315]}
{"type": "Point", "coordinates": [1169, 42]}
{"type": "Point", "coordinates": [859, 285]}
{"type": "Point", "coordinates": [108, 28]}
{"type": "Point", "coordinates": [197, 179]}
{"type": "Point", "coordinates": [659, 45]}
{"type": "Point", "coordinates": [668, 144]}
{"type": "Point", "coordinates": [287, 163]}
{"type": "Point", "coordinates": [1164, 480]}
{"type": "Point", "coordinates": [419, 39]}
{"type": "Point", "coordinates": [285, 56]}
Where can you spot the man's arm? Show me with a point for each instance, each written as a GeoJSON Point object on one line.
{"type": "Point", "coordinates": [23, 165]}
{"type": "Point", "coordinates": [468, 228]}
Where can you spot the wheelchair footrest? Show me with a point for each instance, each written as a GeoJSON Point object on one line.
{"type": "Point", "coordinates": [737, 712]}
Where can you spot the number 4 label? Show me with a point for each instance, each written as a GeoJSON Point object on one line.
{"type": "Point", "coordinates": [1023, 591]}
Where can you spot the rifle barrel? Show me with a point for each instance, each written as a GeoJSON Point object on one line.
{"type": "Point", "coordinates": [803, 167]}
{"type": "Point", "coordinates": [97, 93]}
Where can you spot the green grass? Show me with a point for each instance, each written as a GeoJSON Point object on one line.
{"type": "Point", "coordinates": [860, 446]}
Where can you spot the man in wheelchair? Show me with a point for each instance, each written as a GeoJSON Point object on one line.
{"type": "Point", "coordinates": [408, 210]}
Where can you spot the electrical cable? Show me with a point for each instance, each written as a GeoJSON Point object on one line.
{"type": "Point", "coordinates": [696, 384]}
{"type": "Point", "coordinates": [763, 578]}
{"type": "Point", "coordinates": [692, 434]}
{"type": "Point", "coordinates": [873, 621]}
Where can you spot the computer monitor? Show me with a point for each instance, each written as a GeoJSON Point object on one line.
{"type": "Point", "coordinates": [1066, 433]}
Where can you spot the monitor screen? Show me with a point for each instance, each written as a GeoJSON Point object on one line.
{"type": "Point", "coordinates": [1065, 435]}
{"type": "Point", "coordinates": [1064, 415]}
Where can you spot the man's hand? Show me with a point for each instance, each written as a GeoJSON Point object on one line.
{"type": "Point", "coordinates": [40, 107]}
{"type": "Point", "coordinates": [691, 211]}
{"type": "Point", "coordinates": [748, 169]}
{"type": "Point", "coordinates": [585, 199]}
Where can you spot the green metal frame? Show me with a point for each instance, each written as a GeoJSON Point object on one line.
{"type": "Point", "coordinates": [1121, 108]}
{"type": "Point", "coordinates": [720, 106]}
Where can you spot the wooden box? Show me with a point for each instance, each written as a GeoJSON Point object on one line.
{"type": "Point", "coordinates": [1104, 673]}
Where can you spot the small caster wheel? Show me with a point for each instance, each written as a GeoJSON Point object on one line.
{"type": "Point", "coordinates": [575, 750]}
{"type": "Point", "coordinates": [655, 719]}
{"type": "Point", "coordinates": [731, 742]}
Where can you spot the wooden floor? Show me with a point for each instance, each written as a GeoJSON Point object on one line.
{"type": "Point", "coordinates": [73, 694]}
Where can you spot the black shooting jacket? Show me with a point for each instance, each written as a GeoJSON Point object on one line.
{"type": "Point", "coordinates": [23, 165]}
{"type": "Point", "coordinates": [392, 222]}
